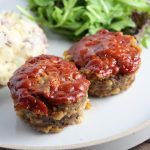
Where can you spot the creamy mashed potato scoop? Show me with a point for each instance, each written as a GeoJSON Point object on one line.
{"type": "Point", "coordinates": [20, 39]}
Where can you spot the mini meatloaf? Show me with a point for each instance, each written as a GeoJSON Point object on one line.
{"type": "Point", "coordinates": [49, 93]}
{"type": "Point", "coordinates": [108, 59]}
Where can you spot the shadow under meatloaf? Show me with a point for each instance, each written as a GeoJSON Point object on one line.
{"type": "Point", "coordinates": [49, 93]}
{"type": "Point", "coordinates": [109, 60]}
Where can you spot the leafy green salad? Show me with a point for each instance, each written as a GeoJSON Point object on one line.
{"type": "Point", "coordinates": [76, 18]}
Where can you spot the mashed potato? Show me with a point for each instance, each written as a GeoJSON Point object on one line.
{"type": "Point", "coordinates": [20, 39]}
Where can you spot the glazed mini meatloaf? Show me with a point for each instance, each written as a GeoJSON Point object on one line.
{"type": "Point", "coordinates": [108, 59]}
{"type": "Point", "coordinates": [49, 93]}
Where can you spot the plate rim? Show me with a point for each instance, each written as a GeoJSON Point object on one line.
{"type": "Point", "coordinates": [124, 134]}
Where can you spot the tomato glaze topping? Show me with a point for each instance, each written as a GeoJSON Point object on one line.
{"type": "Point", "coordinates": [107, 53]}
{"type": "Point", "coordinates": [45, 81]}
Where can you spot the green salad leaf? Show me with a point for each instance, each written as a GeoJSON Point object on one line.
{"type": "Point", "coordinates": [76, 18]}
{"type": "Point", "coordinates": [42, 2]}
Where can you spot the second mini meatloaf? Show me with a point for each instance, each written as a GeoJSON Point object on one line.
{"type": "Point", "coordinates": [49, 93]}
{"type": "Point", "coordinates": [108, 59]}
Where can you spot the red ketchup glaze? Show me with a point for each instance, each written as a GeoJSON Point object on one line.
{"type": "Point", "coordinates": [107, 53]}
{"type": "Point", "coordinates": [45, 81]}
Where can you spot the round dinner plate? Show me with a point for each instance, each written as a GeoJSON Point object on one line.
{"type": "Point", "coordinates": [109, 119]}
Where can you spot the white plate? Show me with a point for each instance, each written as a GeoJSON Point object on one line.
{"type": "Point", "coordinates": [109, 119]}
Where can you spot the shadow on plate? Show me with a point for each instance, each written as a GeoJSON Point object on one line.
{"type": "Point", "coordinates": [4, 95]}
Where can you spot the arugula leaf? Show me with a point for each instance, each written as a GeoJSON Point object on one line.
{"type": "Point", "coordinates": [138, 4]}
{"type": "Point", "coordinates": [76, 18]}
{"type": "Point", "coordinates": [41, 2]}
{"type": "Point", "coordinates": [144, 41]}
{"type": "Point", "coordinates": [120, 24]}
